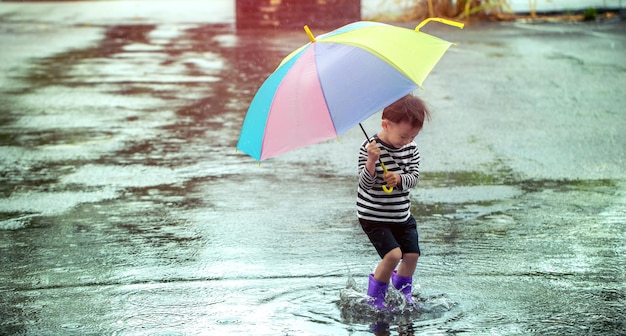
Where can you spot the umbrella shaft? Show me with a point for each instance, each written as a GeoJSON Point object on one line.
{"type": "Point", "coordinates": [363, 129]}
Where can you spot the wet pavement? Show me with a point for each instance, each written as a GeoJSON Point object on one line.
{"type": "Point", "coordinates": [125, 210]}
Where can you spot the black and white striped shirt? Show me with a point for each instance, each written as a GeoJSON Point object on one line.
{"type": "Point", "coordinates": [373, 203]}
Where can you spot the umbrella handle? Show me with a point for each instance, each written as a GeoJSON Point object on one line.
{"type": "Point", "coordinates": [382, 165]}
{"type": "Point", "coordinates": [385, 188]}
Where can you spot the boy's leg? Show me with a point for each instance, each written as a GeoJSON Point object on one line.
{"type": "Point", "coordinates": [388, 264]}
{"type": "Point", "coordinates": [408, 264]}
{"type": "Point", "coordinates": [402, 279]}
{"type": "Point", "coordinates": [379, 281]}
{"type": "Point", "coordinates": [408, 239]}
{"type": "Point", "coordinates": [383, 239]}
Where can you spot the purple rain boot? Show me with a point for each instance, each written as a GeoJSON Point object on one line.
{"type": "Point", "coordinates": [377, 290]}
{"type": "Point", "coordinates": [403, 284]}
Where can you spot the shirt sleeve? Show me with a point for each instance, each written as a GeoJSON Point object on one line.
{"type": "Point", "coordinates": [412, 171]}
{"type": "Point", "coordinates": [366, 180]}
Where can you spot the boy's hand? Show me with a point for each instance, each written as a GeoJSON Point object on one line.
{"type": "Point", "coordinates": [373, 152]}
{"type": "Point", "coordinates": [392, 179]}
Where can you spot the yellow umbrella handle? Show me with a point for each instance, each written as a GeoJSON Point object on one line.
{"type": "Point", "coordinates": [444, 21]}
{"type": "Point", "coordinates": [385, 188]}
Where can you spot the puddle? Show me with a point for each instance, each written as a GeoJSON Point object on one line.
{"type": "Point", "coordinates": [124, 205]}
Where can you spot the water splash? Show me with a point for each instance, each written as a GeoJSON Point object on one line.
{"type": "Point", "coordinates": [355, 308]}
{"type": "Point", "coordinates": [15, 223]}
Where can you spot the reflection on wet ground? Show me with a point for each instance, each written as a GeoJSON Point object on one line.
{"type": "Point", "coordinates": [126, 210]}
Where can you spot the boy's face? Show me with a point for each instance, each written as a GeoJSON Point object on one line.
{"type": "Point", "coordinates": [399, 134]}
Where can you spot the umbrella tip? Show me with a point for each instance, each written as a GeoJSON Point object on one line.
{"type": "Point", "coordinates": [444, 21]}
{"type": "Point", "coordinates": [309, 34]}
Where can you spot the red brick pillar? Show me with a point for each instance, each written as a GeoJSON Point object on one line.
{"type": "Point", "coordinates": [324, 14]}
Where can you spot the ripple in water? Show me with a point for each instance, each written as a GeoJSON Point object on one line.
{"type": "Point", "coordinates": [355, 308]}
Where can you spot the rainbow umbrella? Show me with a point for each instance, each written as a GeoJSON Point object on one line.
{"type": "Point", "coordinates": [334, 82]}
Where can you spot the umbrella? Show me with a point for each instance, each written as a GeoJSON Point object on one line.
{"type": "Point", "coordinates": [334, 82]}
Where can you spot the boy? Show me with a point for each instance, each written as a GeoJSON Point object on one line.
{"type": "Point", "coordinates": [386, 218]}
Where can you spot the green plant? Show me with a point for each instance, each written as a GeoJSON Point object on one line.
{"type": "Point", "coordinates": [590, 14]}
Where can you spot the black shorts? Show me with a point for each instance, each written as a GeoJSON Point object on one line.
{"type": "Point", "coordinates": [387, 236]}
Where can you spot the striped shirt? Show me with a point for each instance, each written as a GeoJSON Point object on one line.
{"type": "Point", "coordinates": [373, 203]}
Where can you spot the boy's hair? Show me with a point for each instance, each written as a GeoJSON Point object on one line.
{"type": "Point", "coordinates": [408, 109]}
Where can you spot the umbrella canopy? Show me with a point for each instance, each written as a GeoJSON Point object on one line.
{"type": "Point", "coordinates": [337, 80]}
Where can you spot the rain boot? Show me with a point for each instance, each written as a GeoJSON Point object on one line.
{"type": "Point", "coordinates": [377, 291]}
{"type": "Point", "coordinates": [403, 284]}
